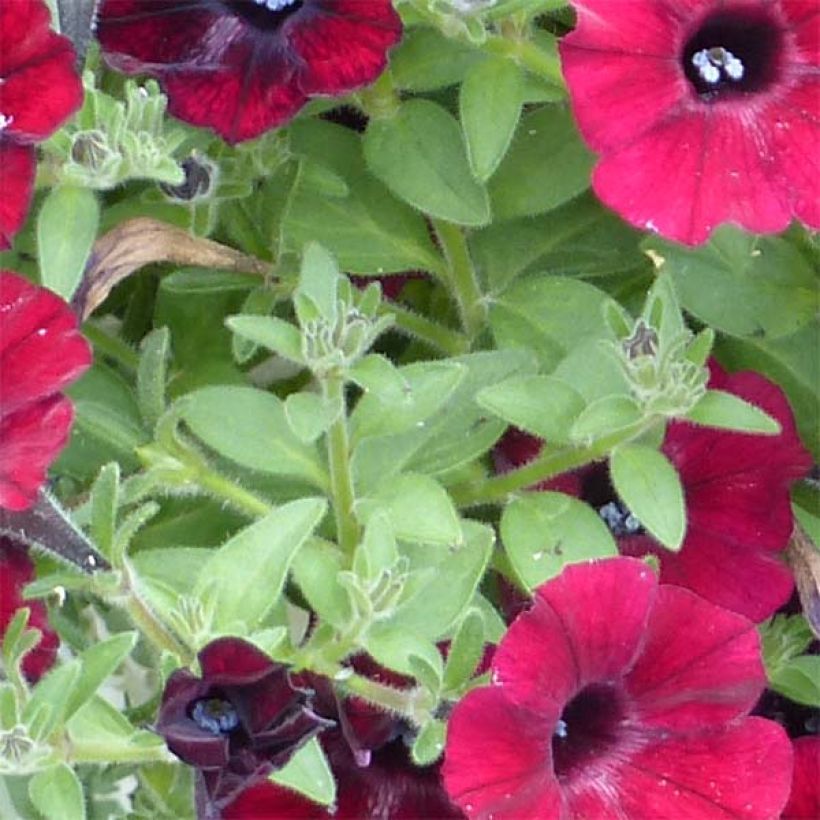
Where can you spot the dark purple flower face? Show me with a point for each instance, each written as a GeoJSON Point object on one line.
{"type": "Point", "coordinates": [242, 67]}
{"type": "Point", "coordinates": [237, 723]}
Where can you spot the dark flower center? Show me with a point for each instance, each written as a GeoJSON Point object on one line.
{"type": "Point", "coordinates": [265, 15]}
{"type": "Point", "coordinates": [588, 728]}
{"type": "Point", "coordinates": [598, 492]}
{"type": "Point", "coordinates": [215, 715]}
{"type": "Point", "coordinates": [733, 52]}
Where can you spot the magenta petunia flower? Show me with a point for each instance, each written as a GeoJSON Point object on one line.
{"type": "Point", "coordinates": [39, 90]}
{"type": "Point", "coordinates": [736, 487]}
{"type": "Point", "coordinates": [236, 724]}
{"type": "Point", "coordinates": [804, 800]}
{"type": "Point", "coordinates": [17, 570]}
{"type": "Point", "coordinates": [41, 352]}
{"type": "Point", "coordinates": [242, 67]}
{"type": "Point", "coordinates": [703, 112]}
{"type": "Point", "coordinates": [615, 696]}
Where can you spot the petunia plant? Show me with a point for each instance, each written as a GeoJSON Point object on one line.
{"type": "Point", "coordinates": [409, 409]}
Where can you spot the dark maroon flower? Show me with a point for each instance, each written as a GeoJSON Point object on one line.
{"type": "Point", "coordinates": [17, 570]}
{"type": "Point", "coordinates": [615, 696]}
{"type": "Point", "coordinates": [236, 724]}
{"type": "Point", "coordinates": [736, 485]}
{"type": "Point", "coordinates": [704, 111]}
{"type": "Point", "coordinates": [804, 800]}
{"type": "Point", "coordinates": [245, 66]}
{"type": "Point", "coordinates": [41, 352]}
{"type": "Point", "coordinates": [39, 90]}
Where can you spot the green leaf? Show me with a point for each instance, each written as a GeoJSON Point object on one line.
{"type": "Point", "coordinates": [541, 405]}
{"type": "Point", "coordinates": [605, 415]}
{"type": "Point", "coordinates": [151, 375]}
{"type": "Point", "coordinates": [249, 427]}
{"type": "Point", "coordinates": [716, 408]}
{"type": "Point", "coordinates": [104, 504]}
{"type": "Point", "coordinates": [426, 60]}
{"type": "Point", "coordinates": [50, 698]}
{"type": "Point", "coordinates": [799, 680]}
{"type": "Point", "coordinates": [418, 509]}
{"type": "Point", "coordinates": [316, 567]}
{"type": "Point", "coordinates": [309, 415]}
{"type": "Point", "coordinates": [308, 773]}
{"type": "Point", "coordinates": [369, 231]}
{"type": "Point", "coordinates": [98, 662]}
{"type": "Point", "coordinates": [268, 546]}
{"type": "Point", "coordinates": [650, 487]}
{"type": "Point", "coordinates": [319, 280]}
{"type": "Point", "coordinates": [546, 165]}
{"type": "Point", "coordinates": [490, 105]}
{"type": "Point", "coordinates": [393, 647]}
{"type": "Point", "coordinates": [466, 650]}
{"type": "Point", "coordinates": [429, 743]}
{"type": "Point", "coordinates": [403, 399]}
{"type": "Point", "coordinates": [274, 334]}
{"type": "Point", "coordinates": [420, 156]}
{"type": "Point", "coordinates": [57, 793]}
{"type": "Point", "coordinates": [377, 552]}
{"type": "Point", "coordinates": [543, 532]}
{"type": "Point", "coordinates": [743, 285]}
{"type": "Point", "coordinates": [66, 229]}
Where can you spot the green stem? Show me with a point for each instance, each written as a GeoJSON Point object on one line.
{"type": "Point", "coordinates": [450, 342]}
{"type": "Point", "coordinates": [105, 753]}
{"type": "Point", "coordinates": [552, 462]}
{"type": "Point", "coordinates": [462, 276]}
{"type": "Point", "coordinates": [341, 479]}
{"type": "Point", "coordinates": [413, 704]}
{"type": "Point", "coordinates": [380, 100]}
{"type": "Point", "coordinates": [220, 487]}
{"type": "Point", "coordinates": [111, 347]}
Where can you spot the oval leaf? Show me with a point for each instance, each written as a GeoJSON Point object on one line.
{"type": "Point", "coordinates": [717, 408]}
{"type": "Point", "coordinates": [57, 792]}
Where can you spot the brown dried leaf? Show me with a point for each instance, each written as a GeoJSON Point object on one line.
{"type": "Point", "coordinates": [142, 241]}
{"type": "Point", "coordinates": [804, 559]}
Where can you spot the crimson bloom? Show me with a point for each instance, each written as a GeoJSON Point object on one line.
{"type": "Point", "coordinates": [41, 352]}
{"type": "Point", "coordinates": [615, 696]}
{"type": "Point", "coordinates": [804, 800]}
{"type": "Point", "coordinates": [237, 723]}
{"type": "Point", "coordinates": [16, 570]}
{"type": "Point", "coordinates": [736, 487]}
{"type": "Point", "coordinates": [39, 90]}
{"type": "Point", "coordinates": [243, 67]}
{"type": "Point", "coordinates": [704, 112]}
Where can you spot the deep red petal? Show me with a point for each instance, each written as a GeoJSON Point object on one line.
{"type": "Point", "coordinates": [17, 570]}
{"type": "Point", "coordinates": [269, 802]}
{"type": "Point", "coordinates": [232, 661]}
{"type": "Point", "coordinates": [804, 799]}
{"type": "Point", "coordinates": [586, 626]}
{"type": "Point", "coordinates": [41, 349]}
{"type": "Point", "coordinates": [17, 164]}
{"type": "Point", "coordinates": [24, 32]}
{"type": "Point", "coordinates": [40, 95]}
{"type": "Point", "coordinates": [498, 759]}
{"type": "Point", "coordinates": [743, 770]}
{"type": "Point", "coordinates": [344, 46]}
{"type": "Point", "coordinates": [700, 664]}
{"type": "Point", "coordinates": [238, 105]}
{"type": "Point", "coordinates": [30, 440]}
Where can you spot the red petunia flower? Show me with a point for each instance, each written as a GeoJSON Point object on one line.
{"type": "Point", "coordinates": [615, 696]}
{"type": "Point", "coordinates": [41, 352]}
{"type": "Point", "coordinates": [39, 90]}
{"type": "Point", "coordinates": [243, 67]}
{"type": "Point", "coordinates": [736, 486]}
{"type": "Point", "coordinates": [804, 800]}
{"type": "Point", "coordinates": [16, 570]}
{"type": "Point", "coordinates": [704, 112]}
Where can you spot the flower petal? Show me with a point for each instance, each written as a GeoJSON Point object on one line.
{"type": "Point", "coordinates": [233, 662]}
{"type": "Point", "coordinates": [569, 638]}
{"type": "Point", "coordinates": [17, 164]}
{"type": "Point", "coordinates": [498, 760]}
{"type": "Point", "coordinates": [804, 800]}
{"type": "Point", "coordinates": [743, 770]}
{"type": "Point", "coordinates": [700, 664]}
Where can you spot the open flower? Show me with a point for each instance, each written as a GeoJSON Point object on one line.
{"type": "Point", "coordinates": [804, 800]}
{"type": "Point", "coordinates": [16, 570]}
{"type": "Point", "coordinates": [41, 352]}
{"type": "Point", "coordinates": [245, 66]}
{"type": "Point", "coordinates": [703, 112]}
{"type": "Point", "coordinates": [615, 696]}
{"type": "Point", "coordinates": [237, 723]}
{"type": "Point", "coordinates": [736, 488]}
{"type": "Point", "coordinates": [39, 90]}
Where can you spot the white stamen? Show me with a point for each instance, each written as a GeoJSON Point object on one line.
{"type": "Point", "coordinates": [5, 121]}
{"type": "Point", "coordinates": [274, 5]}
{"type": "Point", "coordinates": [710, 62]}
{"type": "Point", "coordinates": [561, 729]}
